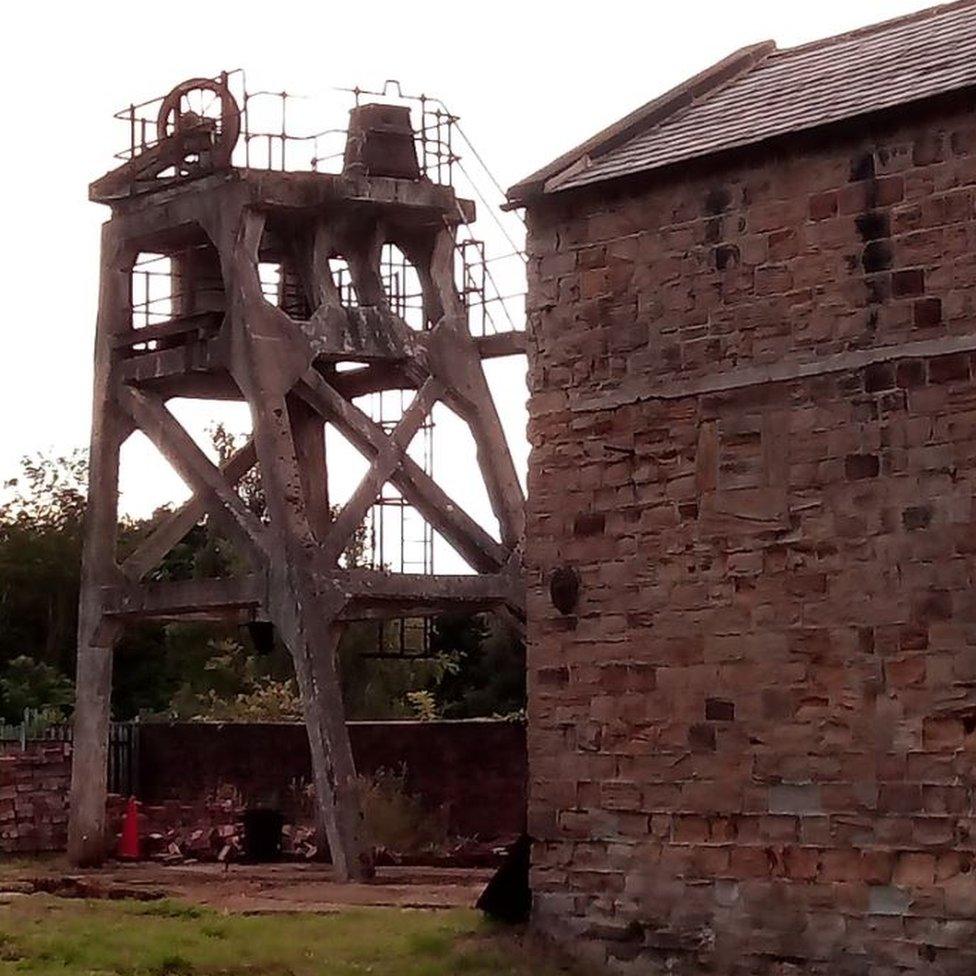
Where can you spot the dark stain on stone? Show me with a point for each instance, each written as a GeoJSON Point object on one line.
{"type": "Point", "coordinates": [553, 677]}
{"type": "Point", "coordinates": [717, 200]}
{"type": "Point", "coordinates": [910, 373]}
{"type": "Point", "coordinates": [862, 168]}
{"type": "Point", "coordinates": [878, 377]}
{"type": "Point", "coordinates": [877, 256]}
{"type": "Point", "coordinates": [860, 466]}
{"type": "Point", "coordinates": [589, 523]}
{"type": "Point", "coordinates": [873, 225]}
{"type": "Point", "coordinates": [917, 517]}
{"type": "Point", "coordinates": [928, 149]}
{"type": "Point", "coordinates": [726, 256]}
{"type": "Point", "coordinates": [879, 289]}
{"type": "Point", "coordinates": [701, 737]}
{"type": "Point", "coordinates": [928, 312]}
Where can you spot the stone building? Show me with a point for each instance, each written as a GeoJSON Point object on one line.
{"type": "Point", "coordinates": [751, 525]}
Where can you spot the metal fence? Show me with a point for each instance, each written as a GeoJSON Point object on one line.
{"type": "Point", "coordinates": [123, 746]}
{"type": "Point", "coordinates": [123, 758]}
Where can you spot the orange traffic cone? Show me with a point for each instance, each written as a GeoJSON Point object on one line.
{"type": "Point", "coordinates": [129, 848]}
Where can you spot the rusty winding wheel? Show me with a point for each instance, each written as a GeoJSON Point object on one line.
{"type": "Point", "coordinates": [202, 105]}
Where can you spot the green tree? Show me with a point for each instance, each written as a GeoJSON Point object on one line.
{"type": "Point", "coordinates": [26, 683]}
{"type": "Point", "coordinates": [40, 553]}
{"type": "Point", "coordinates": [487, 672]}
{"type": "Point", "coordinates": [475, 665]}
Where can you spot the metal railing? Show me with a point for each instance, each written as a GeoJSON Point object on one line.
{"type": "Point", "coordinates": [123, 745]}
{"type": "Point", "coordinates": [280, 130]}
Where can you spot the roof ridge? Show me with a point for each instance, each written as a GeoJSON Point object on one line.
{"type": "Point", "coordinates": [914, 16]}
{"type": "Point", "coordinates": [918, 55]}
{"type": "Point", "coordinates": [647, 116]}
{"type": "Point", "coordinates": [675, 115]}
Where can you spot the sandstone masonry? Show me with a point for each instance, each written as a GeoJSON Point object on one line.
{"type": "Point", "coordinates": [34, 798]}
{"type": "Point", "coordinates": [753, 427]}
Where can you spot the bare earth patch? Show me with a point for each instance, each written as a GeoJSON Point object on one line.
{"type": "Point", "coordinates": [254, 888]}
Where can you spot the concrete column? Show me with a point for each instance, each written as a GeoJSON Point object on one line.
{"type": "Point", "coordinates": [96, 635]}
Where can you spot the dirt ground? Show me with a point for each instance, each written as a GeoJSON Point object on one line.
{"type": "Point", "coordinates": [250, 889]}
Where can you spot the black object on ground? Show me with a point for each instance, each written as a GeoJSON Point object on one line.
{"type": "Point", "coordinates": [508, 897]}
{"type": "Point", "coordinates": [262, 835]}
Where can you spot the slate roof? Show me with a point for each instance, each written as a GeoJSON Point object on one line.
{"type": "Point", "coordinates": [761, 92]}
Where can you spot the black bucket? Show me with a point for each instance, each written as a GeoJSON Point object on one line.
{"type": "Point", "coordinates": [262, 835]}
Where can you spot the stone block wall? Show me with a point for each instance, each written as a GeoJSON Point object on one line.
{"type": "Point", "coordinates": [34, 797]}
{"type": "Point", "coordinates": [753, 426]}
{"type": "Point", "coordinates": [474, 771]}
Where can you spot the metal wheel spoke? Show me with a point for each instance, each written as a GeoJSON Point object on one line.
{"type": "Point", "coordinates": [206, 100]}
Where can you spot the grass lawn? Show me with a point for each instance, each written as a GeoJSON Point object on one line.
{"type": "Point", "coordinates": [12, 866]}
{"type": "Point", "coordinates": [43, 935]}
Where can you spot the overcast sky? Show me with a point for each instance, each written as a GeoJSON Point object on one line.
{"type": "Point", "coordinates": [529, 79]}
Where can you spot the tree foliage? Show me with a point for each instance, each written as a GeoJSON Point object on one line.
{"type": "Point", "coordinates": [191, 670]}
{"type": "Point", "coordinates": [486, 675]}
{"type": "Point", "coordinates": [41, 523]}
{"type": "Point", "coordinates": [28, 684]}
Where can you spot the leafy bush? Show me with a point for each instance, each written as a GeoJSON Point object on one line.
{"type": "Point", "coordinates": [424, 705]}
{"type": "Point", "coordinates": [266, 700]}
{"type": "Point", "coordinates": [396, 819]}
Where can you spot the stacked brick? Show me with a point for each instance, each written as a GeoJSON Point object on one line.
{"type": "Point", "coordinates": [34, 798]}
{"type": "Point", "coordinates": [753, 425]}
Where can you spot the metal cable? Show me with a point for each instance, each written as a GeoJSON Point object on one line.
{"type": "Point", "coordinates": [494, 216]}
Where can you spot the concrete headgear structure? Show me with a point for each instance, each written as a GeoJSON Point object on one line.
{"type": "Point", "coordinates": [299, 360]}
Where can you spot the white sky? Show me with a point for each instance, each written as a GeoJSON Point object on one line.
{"type": "Point", "coordinates": [528, 79]}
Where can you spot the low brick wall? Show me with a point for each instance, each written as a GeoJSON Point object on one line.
{"type": "Point", "coordinates": [474, 771]}
{"type": "Point", "coordinates": [34, 797]}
